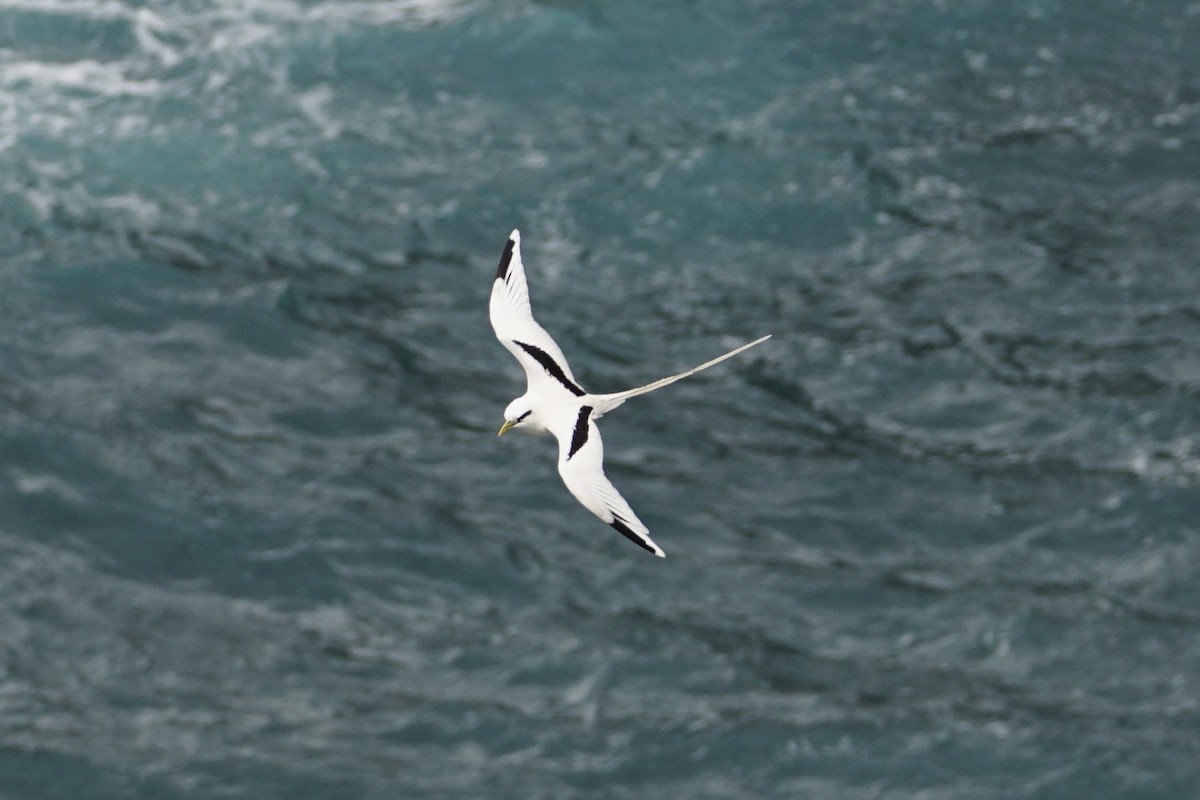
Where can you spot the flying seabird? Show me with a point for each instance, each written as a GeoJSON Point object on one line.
{"type": "Point", "coordinates": [555, 403]}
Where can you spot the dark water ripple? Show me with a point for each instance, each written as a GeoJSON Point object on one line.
{"type": "Point", "coordinates": [936, 539]}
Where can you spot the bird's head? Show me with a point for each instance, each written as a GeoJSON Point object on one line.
{"type": "Point", "coordinates": [518, 415]}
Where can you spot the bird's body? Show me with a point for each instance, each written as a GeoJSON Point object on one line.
{"type": "Point", "coordinates": [555, 403]}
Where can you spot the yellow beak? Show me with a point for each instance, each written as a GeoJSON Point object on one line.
{"type": "Point", "coordinates": [505, 428]}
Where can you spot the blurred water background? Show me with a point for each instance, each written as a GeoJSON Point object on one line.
{"type": "Point", "coordinates": [940, 538]}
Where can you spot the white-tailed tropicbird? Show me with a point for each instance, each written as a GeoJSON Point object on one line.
{"type": "Point", "coordinates": [555, 403]}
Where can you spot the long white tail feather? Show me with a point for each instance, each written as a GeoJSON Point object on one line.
{"type": "Point", "coordinates": [603, 403]}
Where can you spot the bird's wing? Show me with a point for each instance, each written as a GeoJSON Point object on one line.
{"type": "Point", "coordinates": [581, 465]}
{"type": "Point", "coordinates": [517, 330]}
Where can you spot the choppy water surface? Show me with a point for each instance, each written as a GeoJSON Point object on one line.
{"type": "Point", "coordinates": [937, 539]}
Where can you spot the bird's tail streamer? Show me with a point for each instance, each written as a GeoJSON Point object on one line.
{"type": "Point", "coordinates": [603, 403]}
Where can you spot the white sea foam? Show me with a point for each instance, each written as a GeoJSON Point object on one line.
{"type": "Point", "coordinates": [96, 77]}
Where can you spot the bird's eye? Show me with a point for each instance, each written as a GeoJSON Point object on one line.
{"type": "Point", "coordinates": [523, 416]}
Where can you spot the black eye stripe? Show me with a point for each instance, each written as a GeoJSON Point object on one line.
{"type": "Point", "coordinates": [523, 416]}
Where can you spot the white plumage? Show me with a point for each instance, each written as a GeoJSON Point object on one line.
{"type": "Point", "coordinates": [555, 403]}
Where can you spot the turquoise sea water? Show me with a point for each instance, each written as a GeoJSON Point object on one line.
{"type": "Point", "coordinates": [939, 538]}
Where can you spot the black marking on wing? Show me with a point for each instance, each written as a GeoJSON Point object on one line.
{"type": "Point", "coordinates": [580, 436]}
{"type": "Point", "coordinates": [543, 358]}
{"type": "Point", "coordinates": [624, 530]}
{"type": "Point", "coordinates": [505, 260]}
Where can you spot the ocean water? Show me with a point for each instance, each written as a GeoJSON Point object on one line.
{"type": "Point", "coordinates": [938, 538]}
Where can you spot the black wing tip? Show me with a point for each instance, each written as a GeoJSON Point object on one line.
{"type": "Point", "coordinates": [620, 527]}
{"type": "Point", "coordinates": [506, 257]}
